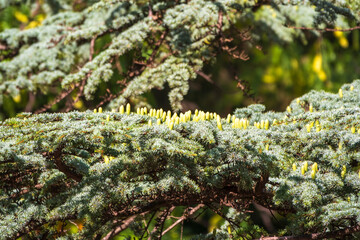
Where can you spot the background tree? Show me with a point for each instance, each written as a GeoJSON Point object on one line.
{"type": "Point", "coordinates": [122, 51]}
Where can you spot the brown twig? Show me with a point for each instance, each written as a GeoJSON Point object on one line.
{"type": "Point", "coordinates": [322, 235]}
{"type": "Point", "coordinates": [120, 228]}
{"type": "Point", "coordinates": [161, 221]}
{"type": "Point", "coordinates": [36, 9]}
{"type": "Point", "coordinates": [147, 226]}
{"type": "Point", "coordinates": [56, 156]}
{"type": "Point", "coordinates": [109, 97]}
{"type": "Point", "coordinates": [55, 101]}
{"type": "Point", "coordinates": [92, 44]}
{"type": "Point", "coordinates": [182, 218]}
{"type": "Point", "coordinates": [245, 88]}
{"type": "Point", "coordinates": [326, 29]}
{"type": "Point", "coordinates": [206, 77]}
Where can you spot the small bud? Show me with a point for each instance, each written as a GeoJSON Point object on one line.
{"type": "Point", "coordinates": [228, 118]}
{"type": "Point", "coordinates": [113, 110]}
{"type": "Point", "coordinates": [306, 166]}
{"type": "Point", "coordinates": [343, 174]}
{"type": "Point", "coordinates": [121, 110]}
{"type": "Point", "coordinates": [138, 111]}
{"type": "Point", "coordinates": [128, 108]}
{"type": "Point", "coordinates": [202, 116]}
{"type": "Point", "coordinates": [183, 118]}
{"type": "Point", "coordinates": [351, 88]}
{"type": "Point", "coordinates": [298, 101]}
{"type": "Point", "coordinates": [340, 145]}
{"type": "Point", "coordinates": [106, 159]}
{"type": "Point", "coordinates": [313, 172]}
{"type": "Point", "coordinates": [267, 147]}
{"type": "Point", "coordinates": [207, 116]}
{"type": "Point", "coordinates": [168, 113]}
{"type": "Point", "coordinates": [288, 109]}
{"type": "Point", "coordinates": [100, 109]}
{"type": "Point", "coordinates": [145, 110]}
{"type": "Point", "coordinates": [196, 112]}
{"type": "Point", "coordinates": [229, 229]}
{"type": "Point", "coordinates": [266, 124]}
{"type": "Point", "coordinates": [158, 122]}
{"type": "Point", "coordinates": [240, 123]}
{"type": "Point", "coordinates": [311, 109]}
{"type": "Point", "coordinates": [177, 120]}
{"type": "Point", "coordinates": [150, 123]}
{"type": "Point", "coordinates": [219, 125]}
{"type": "Point", "coordinates": [108, 118]}
{"type": "Point", "coordinates": [302, 170]}
{"type": "Point", "coordinates": [262, 124]}
{"type": "Point", "coordinates": [142, 111]}
{"type": "Point", "coordinates": [171, 125]}
{"type": "Point", "coordinates": [294, 166]}
{"type": "Point", "coordinates": [188, 115]}
{"type": "Point", "coordinates": [314, 167]}
{"type": "Point", "coordinates": [353, 129]}
{"type": "Point", "coordinates": [308, 128]}
{"type": "Point", "coordinates": [95, 110]}
{"type": "Point", "coordinates": [340, 93]}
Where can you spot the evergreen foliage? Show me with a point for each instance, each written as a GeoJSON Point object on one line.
{"type": "Point", "coordinates": [175, 39]}
{"type": "Point", "coordinates": [120, 170]}
{"type": "Point", "coordinates": [115, 169]}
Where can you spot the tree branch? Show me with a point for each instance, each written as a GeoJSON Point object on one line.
{"type": "Point", "coordinates": [326, 29]}
{"type": "Point", "coordinates": [322, 235]}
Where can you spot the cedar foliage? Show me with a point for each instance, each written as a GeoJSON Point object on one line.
{"type": "Point", "coordinates": [111, 167]}
{"type": "Point", "coordinates": [113, 170]}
